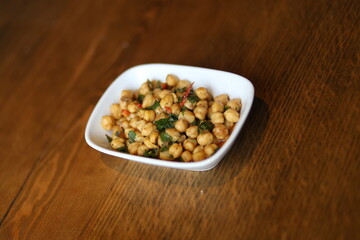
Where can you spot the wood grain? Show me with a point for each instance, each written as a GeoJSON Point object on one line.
{"type": "Point", "coordinates": [293, 172]}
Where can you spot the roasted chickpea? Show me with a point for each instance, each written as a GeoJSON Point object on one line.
{"type": "Point", "coordinates": [186, 156]}
{"type": "Point", "coordinates": [154, 136]}
{"type": "Point", "coordinates": [192, 132]}
{"type": "Point", "coordinates": [115, 110]}
{"type": "Point", "coordinates": [157, 92]}
{"type": "Point", "coordinates": [145, 88]}
{"type": "Point", "coordinates": [165, 156]}
{"type": "Point", "coordinates": [141, 150]}
{"type": "Point", "coordinates": [223, 98]}
{"type": "Point", "coordinates": [198, 156]}
{"type": "Point", "coordinates": [205, 138]}
{"type": "Point", "coordinates": [220, 131]}
{"type": "Point", "coordinates": [117, 131]}
{"type": "Point", "coordinates": [148, 101]}
{"type": "Point", "coordinates": [190, 144]}
{"type": "Point", "coordinates": [123, 123]}
{"type": "Point", "coordinates": [173, 133]}
{"type": "Point", "coordinates": [210, 149]}
{"type": "Point", "coordinates": [117, 143]}
{"type": "Point", "coordinates": [164, 92]}
{"type": "Point", "coordinates": [183, 84]}
{"type": "Point", "coordinates": [234, 104]}
{"type": "Point", "coordinates": [134, 121]}
{"type": "Point", "coordinates": [172, 80]}
{"type": "Point", "coordinates": [187, 115]}
{"type": "Point", "coordinates": [231, 115]}
{"type": "Point", "coordinates": [217, 117]}
{"type": "Point", "coordinates": [217, 107]}
{"type": "Point", "coordinates": [133, 147]}
{"type": "Point", "coordinates": [149, 144]}
{"type": "Point", "coordinates": [176, 109]}
{"type": "Point", "coordinates": [140, 124]}
{"type": "Point", "coordinates": [107, 122]}
{"type": "Point", "coordinates": [149, 115]}
{"type": "Point", "coordinates": [138, 137]}
{"type": "Point", "coordinates": [228, 124]}
{"type": "Point", "coordinates": [181, 138]}
{"type": "Point", "coordinates": [160, 142]}
{"type": "Point", "coordinates": [167, 101]}
{"type": "Point", "coordinates": [124, 103]}
{"type": "Point", "coordinates": [190, 105]}
{"type": "Point", "coordinates": [161, 116]}
{"type": "Point", "coordinates": [202, 93]}
{"type": "Point", "coordinates": [198, 148]}
{"type": "Point", "coordinates": [148, 128]}
{"type": "Point", "coordinates": [181, 125]}
{"type": "Point", "coordinates": [126, 94]}
{"type": "Point", "coordinates": [209, 113]}
{"type": "Point", "coordinates": [202, 103]}
{"type": "Point", "coordinates": [175, 98]}
{"type": "Point", "coordinates": [200, 112]}
{"type": "Point", "coordinates": [176, 150]}
{"type": "Point", "coordinates": [133, 106]}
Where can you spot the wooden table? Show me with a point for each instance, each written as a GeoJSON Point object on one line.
{"type": "Point", "coordinates": [293, 172]}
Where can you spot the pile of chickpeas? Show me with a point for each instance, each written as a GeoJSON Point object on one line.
{"type": "Point", "coordinates": [171, 121]}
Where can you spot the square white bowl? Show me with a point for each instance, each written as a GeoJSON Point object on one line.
{"type": "Point", "coordinates": [216, 81]}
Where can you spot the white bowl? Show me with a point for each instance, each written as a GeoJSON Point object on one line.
{"type": "Point", "coordinates": [217, 82]}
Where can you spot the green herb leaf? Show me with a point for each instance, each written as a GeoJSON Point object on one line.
{"type": "Point", "coordinates": [149, 84]}
{"type": "Point", "coordinates": [163, 149]}
{"type": "Point", "coordinates": [206, 125]}
{"type": "Point", "coordinates": [226, 108]}
{"type": "Point", "coordinates": [180, 90]}
{"type": "Point", "coordinates": [123, 149]}
{"type": "Point", "coordinates": [165, 123]}
{"type": "Point", "coordinates": [108, 138]}
{"type": "Point", "coordinates": [132, 136]}
{"type": "Point", "coordinates": [141, 98]}
{"type": "Point", "coordinates": [196, 122]}
{"type": "Point", "coordinates": [165, 137]}
{"type": "Point", "coordinates": [151, 153]}
{"type": "Point", "coordinates": [153, 107]}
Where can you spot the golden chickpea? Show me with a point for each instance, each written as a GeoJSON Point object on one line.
{"type": "Point", "coordinates": [220, 131]}
{"type": "Point", "coordinates": [133, 107]}
{"type": "Point", "coordinates": [190, 144]}
{"type": "Point", "coordinates": [183, 84]}
{"type": "Point", "coordinates": [123, 123]}
{"type": "Point", "coordinates": [202, 93]}
{"type": "Point", "coordinates": [138, 137]}
{"type": "Point", "coordinates": [154, 136]}
{"type": "Point", "coordinates": [187, 115]}
{"type": "Point", "coordinates": [176, 109]}
{"type": "Point", "coordinates": [210, 149]}
{"type": "Point", "coordinates": [149, 115]}
{"type": "Point", "coordinates": [231, 115]}
{"type": "Point", "coordinates": [124, 103]}
{"type": "Point", "coordinates": [107, 122]}
{"type": "Point", "coordinates": [164, 92]}
{"type": "Point", "coordinates": [160, 142]}
{"type": "Point", "coordinates": [126, 94]}
{"type": "Point", "coordinates": [165, 156]}
{"type": "Point", "coordinates": [144, 88]}
{"type": "Point", "coordinates": [198, 156]}
{"type": "Point", "coordinates": [186, 156]}
{"type": "Point", "coordinates": [217, 117]}
{"type": "Point", "coordinates": [223, 98]}
{"type": "Point", "coordinates": [200, 112]}
{"type": "Point", "coordinates": [140, 124]}
{"type": "Point", "coordinates": [217, 107]}
{"type": "Point", "coordinates": [176, 150]}
{"type": "Point", "coordinates": [181, 125]}
{"type": "Point", "coordinates": [192, 132]}
{"type": "Point", "coordinates": [148, 101]}
{"type": "Point", "coordinates": [173, 133]}
{"type": "Point", "coordinates": [134, 121]}
{"type": "Point", "coordinates": [228, 124]}
{"type": "Point", "coordinates": [157, 92]}
{"type": "Point", "coordinates": [209, 113]}
{"type": "Point", "coordinates": [148, 128]}
{"type": "Point", "coordinates": [189, 105]}
{"type": "Point", "coordinates": [181, 138]}
{"type": "Point", "coordinates": [167, 101]}
{"type": "Point", "coordinates": [198, 148]}
{"type": "Point", "coordinates": [117, 143]}
{"type": "Point", "coordinates": [159, 110]}
{"type": "Point", "coordinates": [161, 116]}
{"type": "Point", "coordinates": [234, 104]}
{"type": "Point", "coordinates": [117, 131]}
{"type": "Point", "coordinates": [133, 147]}
{"type": "Point", "coordinates": [141, 150]}
{"type": "Point", "coordinates": [205, 138]}
{"type": "Point", "coordinates": [175, 98]}
{"type": "Point", "coordinates": [149, 144]}
{"type": "Point", "coordinates": [115, 110]}
{"type": "Point", "coordinates": [172, 80]}
{"type": "Point", "coordinates": [202, 103]}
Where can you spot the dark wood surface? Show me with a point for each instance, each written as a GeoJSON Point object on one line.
{"type": "Point", "coordinates": [293, 172]}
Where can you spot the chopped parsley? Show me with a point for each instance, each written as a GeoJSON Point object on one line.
{"type": "Point", "coordinates": [206, 125]}
{"type": "Point", "coordinates": [166, 123]}
{"type": "Point", "coordinates": [165, 137]}
{"type": "Point", "coordinates": [192, 97]}
{"type": "Point", "coordinates": [226, 108]}
{"type": "Point", "coordinates": [196, 122]}
{"type": "Point", "coordinates": [151, 153]}
{"type": "Point", "coordinates": [132, 136]}
{"type": "Point", "coordinates": [108, 138]}
{"type": "Point", "coordinates": [141, 98]}
{"type": "Point", "coordinates": [153, 107]}
{"type": "Point", "coordinates": [163, 149]}
{"type": "Point", "coordinates": [123, 149]}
